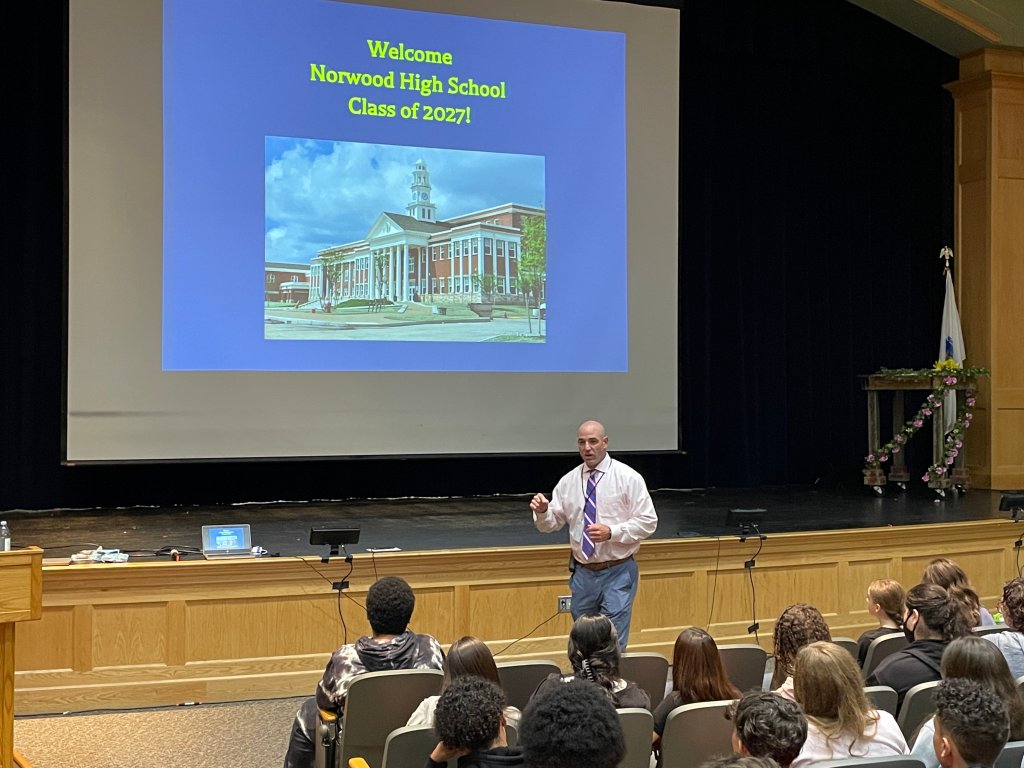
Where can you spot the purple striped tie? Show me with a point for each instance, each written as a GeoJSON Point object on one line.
{"type": "Point", "coordinates": [589, 514]}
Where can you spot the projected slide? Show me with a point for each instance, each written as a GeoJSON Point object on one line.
{"type": "Point", "coordinates": [355, 188]}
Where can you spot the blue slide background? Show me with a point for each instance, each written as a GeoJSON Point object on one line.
{"type": "Point", "coordinates": [236, 71]}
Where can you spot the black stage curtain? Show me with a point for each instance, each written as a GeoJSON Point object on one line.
{"type": "Point", "coordinates": [815, 193]}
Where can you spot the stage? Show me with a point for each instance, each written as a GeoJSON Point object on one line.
{"type": "Point", "coordinates": [420, 524]}
{"type": "Point", "coordinates": [155, 631]}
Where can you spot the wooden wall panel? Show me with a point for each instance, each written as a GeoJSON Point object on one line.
{"type": "Point", "coordinates": [129, 635]}
{"type": "Point", "coordinates": [164, 633]}
{"type": "Point", "coordinates": [44, 644]}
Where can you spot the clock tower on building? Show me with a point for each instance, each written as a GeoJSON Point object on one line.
{"type": "Point", "coordinates": [420, 207]}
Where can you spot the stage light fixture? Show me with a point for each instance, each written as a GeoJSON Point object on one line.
{"type": "Point", "coordinates": [1012, 503]}
{"type": "Point", "coordinates": [334, 538]}
{"type": "Point", "coordinates": [746, 520]}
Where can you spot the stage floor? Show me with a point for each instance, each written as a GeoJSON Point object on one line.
{"type": "Point", "coordinates": [477, 522]}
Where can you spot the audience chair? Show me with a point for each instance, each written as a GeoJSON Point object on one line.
{"type": "Point", "coordinates": [848, 643]}
{"type": "Point", "coordinates": [883, 697]}
{"type": "Point", "coordinates": [520, 679]}
{"type": "Point", "coordinates": [988, 629]}
{"type": "Point", "coordinates": [887, 761]}
{"type": "Point", "coordinates": [637, 725]}
{"type": "Point", "coordinates": [409, 746]}
{"type": "Point", "coordinates": [744, 664]}
{"type": "Point", "coordinates": [695, 733]}
{"type": "Point", "coordinates": [918, 705]}
{"type": "Point", "coordinates": [648, 670]}
{"type": "Point", "coordinates": [376, 704]}
{"type": "Point", "coordinates": [511, 735]}
{"type": "Point", "coordinates": [1011, 755]}
{"type": "Point", "coordinates": [880, 648]}
{"type": "Point", "coordinates": [1020, 683]}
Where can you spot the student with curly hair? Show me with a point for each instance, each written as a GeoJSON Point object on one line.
{"type": "Point", "coordinates": [1011, 641]}
{"type": "Point", "coordinates": [697, 675]}
{"type": "Point", "coordinates": [841, 722]}
{"type": "Point", "coordinates": [972, 658]}
{"type": "Point", "coordinates": [932, 620]}
{"type": "Point", "coordinates": [572, 725]}
{"type": "Point", "coordinates": [798, 625]}
{"type": "Point", "coordinates": [971, 726]}
{"type": "Point", "coordinates": [470, 725]}
{"type": "Point", "coordinates": [768, 725]}
{"type": "Point", "coordinates": [389, 605]}
{"type": "Point", "coordinates": [594, 655]}
{"type": "Point", "coordinates": [466, 656]}
{"type": "Point", "coordinates": [886, 601]}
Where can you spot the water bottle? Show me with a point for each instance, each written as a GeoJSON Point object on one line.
{"type": "Point", "coordinates": [5, 537]}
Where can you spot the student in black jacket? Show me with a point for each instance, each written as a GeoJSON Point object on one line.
{"type": "Point", "coordinates": [932, 619]}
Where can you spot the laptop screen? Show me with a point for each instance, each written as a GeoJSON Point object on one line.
{"type": "Point", "coordinates": [226, 539]}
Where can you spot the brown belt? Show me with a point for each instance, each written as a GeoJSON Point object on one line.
{"type": "Point", "coordinates": [606, 564]}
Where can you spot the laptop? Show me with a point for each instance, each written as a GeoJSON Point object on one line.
{"type": "Point", "coordinates": [226, 541]}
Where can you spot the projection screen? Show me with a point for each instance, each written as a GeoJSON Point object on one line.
{"type": "Point", "coordinates": [308, 228]}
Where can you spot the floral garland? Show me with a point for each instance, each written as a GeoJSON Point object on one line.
{"type": "Point", "coordinates": [954, 438]}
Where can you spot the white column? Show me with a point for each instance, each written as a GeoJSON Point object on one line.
{"type": "Point", "coordinates": [405, 271]}
{"type": "Point", "coordinates": [508, 275]}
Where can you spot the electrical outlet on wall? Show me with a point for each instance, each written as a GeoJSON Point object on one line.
{"type": "Point", "coordinates": [565, 603]}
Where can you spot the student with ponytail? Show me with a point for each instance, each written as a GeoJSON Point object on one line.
{"type": "Point", "coordinates": [886, 602]}
{"type": "Point", "coordinates": [594, 656]}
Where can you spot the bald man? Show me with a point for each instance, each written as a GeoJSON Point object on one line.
{"type": "Point", "coordinates": [609, 512]}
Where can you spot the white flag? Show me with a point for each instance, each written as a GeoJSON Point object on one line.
{"type": "Point", "coordinates": [951, 347]}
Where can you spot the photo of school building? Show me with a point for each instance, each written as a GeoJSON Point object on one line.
{"type": "Point", "coordinates": [416, 256]}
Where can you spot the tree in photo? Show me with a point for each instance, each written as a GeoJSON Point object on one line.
{"type": "Point", "coordinates": [533, 265]}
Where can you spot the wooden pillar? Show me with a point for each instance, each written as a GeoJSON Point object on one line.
{"type": "Point", "coordinates": [989, 149]}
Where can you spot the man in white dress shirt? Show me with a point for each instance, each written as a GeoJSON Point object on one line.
{"type": "Point", "coordinates": [609, 512]}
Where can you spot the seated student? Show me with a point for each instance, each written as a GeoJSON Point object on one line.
{"type": "Point", "coordinates": [697, 675]}
{"type": "Point", "coordinates": [594, 655]}
{"type": "Point", "coordinates": [841, 722]}
{"type": "Point", "coordinates": [932, 619]}
{"type": "Point", "coordinates": [470, 725]}
{"type": "Point", "coordinates": [798, 625]}
{"type": "Point", "coordinates": [1010, 642]}
{"type": "Point", "coordinates": [886, 600]}
{"type": "Point", "coordinates": [973, 658]}
{"type": "Point", "coordinates": [572, 725]}
{"type": "Point", "coordinates": [769, 725]}
{"type": "Point", "coordinates": [466, 656]}
{"type": "Point", "coordinates": [971, 726]}
{"type": "Point", "coordinates": [389, 606]}
{"type": "Point", "coordinates": [951, 577]}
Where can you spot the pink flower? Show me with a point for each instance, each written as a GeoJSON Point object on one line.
{"type": "Point", "coordinates": [970, 402]}
{"type": "Point", "coordinates": [951, 380]}
{"type": "Point", "coordinates": [896, 449]}
{"type": "Point", "coordinates": [869, 457]}
{"type": "Point", "coordinates": [950, 459]}
{"type": "Point", "coordinates": [926, 411]}
{"type": "Point", "coordinates": [883, 458]}
{"type": "Point", "coordinates": [918, 423]}
{"type": "Point", "coordinates": [939, 470]}
{"type": "Point", "coordinates": [959, 444]}
{"type": "Point", "coordinates": [900, 439]}
{"type": "Point", "coordinates": [926, 477]}
{"type": "Point", "coordinates": [968, 416]}
{"type": "Point", "coordinates": [954, 453]}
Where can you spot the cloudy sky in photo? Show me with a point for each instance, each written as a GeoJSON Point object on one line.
{"type": "Point", "coordinates": [325, 193]}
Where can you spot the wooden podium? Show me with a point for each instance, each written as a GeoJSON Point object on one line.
{"type": "Point", "coordinates": [21, 599]}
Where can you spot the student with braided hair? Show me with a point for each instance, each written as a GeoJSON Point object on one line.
{"type": "Point", "coordinates": [594, 655]}
{"type": "Point", "coordinates": [886, 602]}
{"type": "Point", "coordinates": [798, 625]}
{"type": "Point", "coordinates": [932, 620]}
